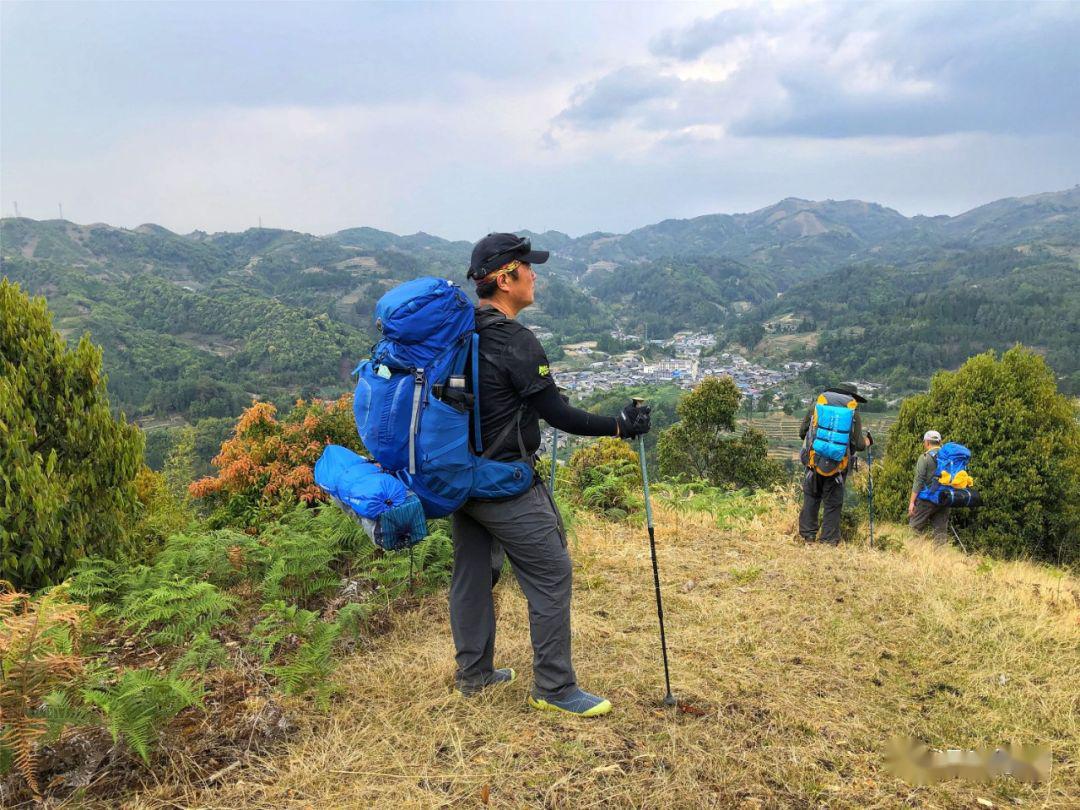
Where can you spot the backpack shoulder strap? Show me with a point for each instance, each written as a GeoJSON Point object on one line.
{"type": "Point", "coordinates": [475, 359]}
{"type": "Point", "coordinates": [511, 425]}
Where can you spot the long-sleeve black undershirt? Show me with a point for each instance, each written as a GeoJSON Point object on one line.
{"type": "Point", "coordinates": [558, 413]}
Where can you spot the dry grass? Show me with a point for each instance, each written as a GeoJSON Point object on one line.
{"type": "Point", "coordinates": [802, 661]}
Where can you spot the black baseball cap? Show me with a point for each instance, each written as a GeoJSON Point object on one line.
{"type": "Point", "coordinates": [496, 249]}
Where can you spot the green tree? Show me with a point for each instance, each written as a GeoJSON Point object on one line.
{"type": "Point", "coordinates": [179, 471]}
{"type": "Point", "coordinates": [703, 445]}
{"type": "Point", "coordinates": [1025, 445]}
{"type": "Point", "coordinates": [67, 467]}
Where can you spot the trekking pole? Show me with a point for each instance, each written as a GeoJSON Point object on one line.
{"type": "Point", "coordinates": [669, 699]}
{"type": "Point", "coordinates": [554, 454]}
{"type": "Point", "coordinates": [870, 488]}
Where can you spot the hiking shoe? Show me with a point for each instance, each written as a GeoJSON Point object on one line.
{"type": "Point", "coordinates": [578, 702]}
{"type": "Point", "coordinates": [506, 675]}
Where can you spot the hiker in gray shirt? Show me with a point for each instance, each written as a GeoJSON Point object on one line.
{"type": "Point", "coordinates": [924, 513]}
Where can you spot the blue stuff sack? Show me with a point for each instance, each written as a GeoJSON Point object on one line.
{"type": "Point", "coordinates": [388, 511]}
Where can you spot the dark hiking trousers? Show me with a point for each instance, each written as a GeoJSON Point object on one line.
{"type": "Point", "coordinates": [933, 515]}
{"type": "Point", "coordinates": [816, 489]}
{"type": "Point", "coordinates": [531, 534]}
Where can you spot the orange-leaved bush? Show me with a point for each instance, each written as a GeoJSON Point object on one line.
{"type": "Point", "coordinates": [270, 460]}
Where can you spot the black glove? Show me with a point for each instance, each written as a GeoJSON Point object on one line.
{"type": "Point", "coordinates": [634, 421]}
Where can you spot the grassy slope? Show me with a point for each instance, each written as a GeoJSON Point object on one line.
{"type": "Point", "coordinates": [804, 661]}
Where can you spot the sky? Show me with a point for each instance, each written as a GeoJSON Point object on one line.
{"type": "Point", "coordinates": [462, 118]}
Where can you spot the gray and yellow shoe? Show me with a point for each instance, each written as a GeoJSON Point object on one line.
{"type": "Point", "coordinates": [505, 675]}
{"type": "Point", "coordinates": [578, 702]}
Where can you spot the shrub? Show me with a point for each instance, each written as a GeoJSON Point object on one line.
{"type": "Point", "coordinates": [703, 445]}
{"type": "Point", "coordinates": [160, 513]}
{"type": "Point", "coordinates": [1025, 445]}
{"type": "Point", "coordinates": [67, 467]}
{"type": "Point", "coordinates": [270, 462]}
{"type": "Point", "coordinates": [605, 477]}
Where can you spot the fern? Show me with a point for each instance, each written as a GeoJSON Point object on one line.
{"type": "Point", "coordinates": [342, 532]}
{"type": "Point", "coordinates": [309, 666]}
{"type": "Point", "coordinates": [281, 622]}
{"type": "Point", "coordinates": [175, 609]}
{"type": "Point", "coordinates": [430, 562]}
{"type": "Point", "coordinates": [140, 703]}
{"type": "Point", "coordinates": [38, 655]}
{"type": "Point", "coordinates": [203, 653]}
{"type": "Point", "coordinates": [61, 711]}
{"type": "Point", "coordinates": [433, 560]}
{"type": "Point", "coordinates": [223, 558]}
{"type": "Point", "coordinates": [300, 565]}
{"type": "Point", "coordinates": [94, 581]}
{"type": "Point", "coordinates": [352, 617]}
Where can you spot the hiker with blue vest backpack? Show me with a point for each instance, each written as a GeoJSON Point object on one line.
{"type": "Point", "coordinates": [515, 389]}
{"type": "Point", "coordinates": [942, 483]}
{"type": "Point", "coordinates": [923, 513]}
{"type": "Point", "coordinates": [832, 433]}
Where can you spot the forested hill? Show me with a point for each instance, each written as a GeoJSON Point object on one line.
{"type": "Point", "coordinates": [899, 324]}
{"type": "Point", "coordinates": [194, 325]}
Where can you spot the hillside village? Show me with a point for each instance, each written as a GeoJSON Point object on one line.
{"type": "Point", "coordinates": [586, 369]}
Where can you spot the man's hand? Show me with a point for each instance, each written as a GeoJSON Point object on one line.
{"type": "Point", "coordinates": [911, 507]}
{"type": "Point", "coordinates": [869, 439]}
{"type": "Point", "coordinates": [634, 421]}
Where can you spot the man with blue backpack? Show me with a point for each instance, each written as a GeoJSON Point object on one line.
{"type": "Point", "coordinates": [515, 390]}
{"type": "Point", "coordinates": [921, 512]}
{"type": "Point", "coordinates": [448, 408]}
{"type": "Point", "coordinates": [832, 433]}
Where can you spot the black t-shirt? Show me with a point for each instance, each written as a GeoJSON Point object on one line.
{"type": "Point", "coordinates": [513, 366]}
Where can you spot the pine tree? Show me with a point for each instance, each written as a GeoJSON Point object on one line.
{"type": "Point", "coordinates": [67, 466]}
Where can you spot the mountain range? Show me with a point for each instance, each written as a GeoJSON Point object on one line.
{"type": "Point", "coordinates": [194, 324]}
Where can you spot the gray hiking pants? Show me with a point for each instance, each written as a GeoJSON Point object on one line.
{"type": "Point", "coordinates": [933, 515]}
{"type": "Point", "coordinates": [816, 489]}
{"type": "Point", "coordinates": [531, 534]}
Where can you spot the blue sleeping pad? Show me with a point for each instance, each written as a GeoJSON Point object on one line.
{"type": "Point", "coordinates": [389, 512]}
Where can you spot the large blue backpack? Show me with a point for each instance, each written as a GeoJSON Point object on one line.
{"type": "Point", "coordinates": [826, 449]}
{"type": "Point", "coordinates": [952, 485]}
{"type": "Point", "coordinates": [412, 405]}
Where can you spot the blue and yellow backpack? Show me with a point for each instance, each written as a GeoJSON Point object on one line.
{"type": "Point", "coordinates": [826, 449]}
{"type": "Point", "coordinates": [952, 485]}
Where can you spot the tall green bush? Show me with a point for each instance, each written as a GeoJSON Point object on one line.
{"type": "Point", "coordinates": [1025, 442]}
{"type": "Point", "coordinates": [67, 467]}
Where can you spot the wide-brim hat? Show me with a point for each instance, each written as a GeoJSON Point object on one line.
{"type": "Point", "coordinates": [850, 389]}
{"type": "Point", "coordinates": [497, 249]}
